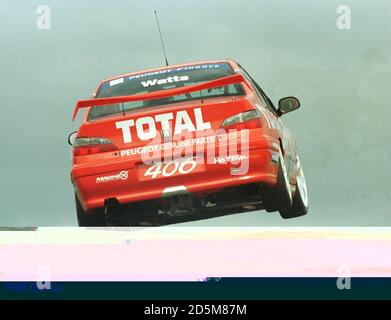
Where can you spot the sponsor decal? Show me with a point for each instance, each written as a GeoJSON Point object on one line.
{"type": "Point", "coordinates": [154, 82]}
{"type": "Point", "coordinates": [180, 69]}
{"type": "Point", "coordinates": [230, 159]}
{"type": "Point", "coordinates": [123, 175]}
{"type": "Point", "coordinates": [146, 76]}
{"type": "Point", "coordinates": [146, 126]}
{"type": "Point", "coordinates": [171, 168]}
{"type": "Point", "coordinates": [116, 81]}
{"type": "Point", "coordinates": [216, 147]}
{"type": "Point", "coordinates": [168, 146]}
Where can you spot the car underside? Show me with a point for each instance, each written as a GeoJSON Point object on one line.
{"type": "Point", "coordinates": [180, 208]}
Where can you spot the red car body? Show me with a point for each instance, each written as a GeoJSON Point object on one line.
{"type": "Point", "coordinates": [119, 156]}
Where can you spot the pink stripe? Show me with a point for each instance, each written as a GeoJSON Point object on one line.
{"type": "Point", "coordinates": [178, 260]}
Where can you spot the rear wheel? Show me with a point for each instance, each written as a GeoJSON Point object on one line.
{"type": "Point", "coordinates": [94, 219]}
{"type": "Point", "coordinates": [300, 200]}
{"type": "Point", "coordinates": [279, 197]}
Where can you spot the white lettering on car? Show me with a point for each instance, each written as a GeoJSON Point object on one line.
{"type": "Point", "coordinates": [123, 175]}
{"type": "Point", "coordinates": [146, 126]}
{"type": "Point", "coordinates": [183, 122]}
{"type": "Point", "coordinates": [170, 168]}
{"type": "Point", "coordinates": [164, 119]}
{"type": "Point", "coordinates": [230, 159]}
{"type": "Point", "coordinates": [154, 82]}
{"type": "Point", "coordinates": [125, 126]}
{"type": "Point", "coordinates": [144, 134]}
{"type": "Point", "coordinates": [168, 146]}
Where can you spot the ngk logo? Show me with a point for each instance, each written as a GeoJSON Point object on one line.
{"type": "Point", "coordinates": [146, 127]}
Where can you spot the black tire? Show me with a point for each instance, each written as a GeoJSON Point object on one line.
{"type": "Point", "coordinates": [300, 200]}
{"type": "Point", "coordinates": [95, 218]}
{"type": "Point", "coordinates": [279, 197]}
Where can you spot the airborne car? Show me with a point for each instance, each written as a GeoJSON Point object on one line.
{"type": "Point", "coordinates": [182, 139]}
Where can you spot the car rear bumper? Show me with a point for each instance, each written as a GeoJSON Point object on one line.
{"type": "Point", "coordinates": [124, 182]}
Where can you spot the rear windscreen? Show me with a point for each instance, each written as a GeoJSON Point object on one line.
{"type": "Point", "coordinates": [163, 80]}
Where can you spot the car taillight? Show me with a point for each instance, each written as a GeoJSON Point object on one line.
{"type": "Point", "coordinates": [86, 146]}
{"type": "Point", "coordinates": [245, 120]}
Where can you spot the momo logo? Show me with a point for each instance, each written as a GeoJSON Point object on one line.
{"type": "Point", "coordinates": [123, 175]}
{"type": "Point", "coordinates": [146, 127]}
{"type": "Point", "coordinates": [154, 82]}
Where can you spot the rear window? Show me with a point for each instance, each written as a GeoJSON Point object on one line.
{"type": "Point", "coordinates": [163, 80]}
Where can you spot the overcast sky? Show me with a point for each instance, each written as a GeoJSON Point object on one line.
{"type": "Point", "coordinates": [342, 77]}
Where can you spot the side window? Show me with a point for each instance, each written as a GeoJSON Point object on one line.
{"type": "Point", "coordinates": [260, 92]}
{"type": "Point", "coordinates": [247, 76]}
{"type": "Point", "coordinates": [269, 103]}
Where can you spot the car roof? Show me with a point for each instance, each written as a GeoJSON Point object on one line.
{"type": "Point", "coordinates": [231, 62]}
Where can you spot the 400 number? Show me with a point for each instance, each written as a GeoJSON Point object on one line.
{"type": "Point", "coordinates": [170, 168]}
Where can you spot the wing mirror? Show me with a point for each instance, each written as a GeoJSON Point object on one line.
{"type": "Point", "coordinates": [288, 104]}
{"type": "Point", "coordinates": [72, 138]}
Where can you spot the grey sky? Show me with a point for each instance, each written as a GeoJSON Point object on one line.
{"type": "Point", "coordinates": [343, 79]}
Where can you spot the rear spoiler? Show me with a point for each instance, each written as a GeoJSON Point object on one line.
{"type": "Point", "coordinates": [222, 82]}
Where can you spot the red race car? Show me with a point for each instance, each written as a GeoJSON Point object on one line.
{"type": "Point", "coordinates": [181, 140]}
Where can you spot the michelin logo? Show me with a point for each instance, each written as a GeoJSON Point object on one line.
{"type": "Point", "coordinates": [123, 175]}
{"type": "Point", "coordinates": [154, 82]}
